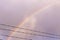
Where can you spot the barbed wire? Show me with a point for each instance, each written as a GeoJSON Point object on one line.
{"type": "Point", "coordinates": [30, 33]}
{"type": "Point", "coordinates": [16, 37]}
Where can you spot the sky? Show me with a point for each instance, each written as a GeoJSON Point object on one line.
{"type": "Point", "coordinates": [13, 12]}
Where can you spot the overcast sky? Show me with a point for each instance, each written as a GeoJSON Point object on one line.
{"type": "Point", "coordinates": [13, 12]}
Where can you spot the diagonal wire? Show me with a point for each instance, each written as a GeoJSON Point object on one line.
{"type": "Point", "coordinates": [16, 37]}
{"type": "Point", "coordinates": [29, 30]}
{"type": "Point", "coordinates": [30, 33]}
{"type": "Point", "coordinates": [27, 33]}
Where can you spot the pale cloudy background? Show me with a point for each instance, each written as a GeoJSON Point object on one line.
{"type": "Point", "coordinates": [13, 12]}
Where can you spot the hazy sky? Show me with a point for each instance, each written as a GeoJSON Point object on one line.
{"type": "Point", "coordinates": [13, 12]}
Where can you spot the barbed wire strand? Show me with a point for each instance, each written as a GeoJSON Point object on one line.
{"type": "Point", "coordinates": [29, 34]}
{"type": "Point", "coordinates": [30, 30]}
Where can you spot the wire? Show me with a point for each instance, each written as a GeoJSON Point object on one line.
{"type": "Point", "coordinates": [34, 34]}
{"type": "Point", "coordinates": [30, 30]}
{"type": "Point", "coordinates": [16, 37]}
{"type": "Point", "coordinates": [7, 25]}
